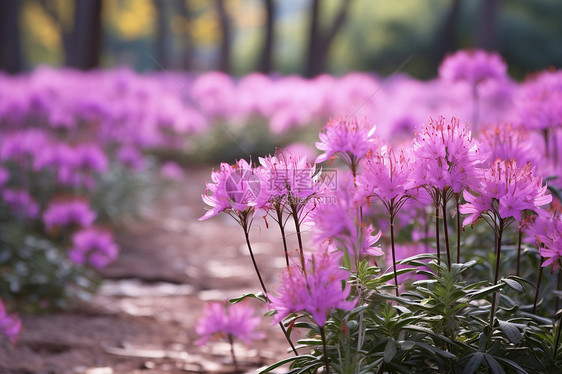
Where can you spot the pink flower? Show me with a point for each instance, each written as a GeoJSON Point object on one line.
{"type": "Point", "coordinates": [234, 188]}
{"type": "Point", "coordinates": [93, 245]}
{"type": "Point", "coordinates": [504, 191]}
{"type": "Point", "coordinates": [316, 290]}
{"type": "Point", "coordinates": [21, 203]}
{"type": "Point", "coordinates": [445, 155]}
{"type": "Point", "coordinates": [335, 218]}
{"type": "Point", "coordinates": [220, 320]}
{"type": "Point", "coordinates": [386, 175]}
{"type": "Point", "coordinates": [286, 176]}
{"type": "Point", "coordinates": [172, 171]}
{"type": "Point", "coordinates": [473, 66]}
{"type": "Point", "coordinates": [539, 102]}
{"type": "Point", "coordinates": [10, 324]}
{"type": "Point", "coordinates": [67, 213]}
{"type": "Point", "coordinates": [349, 138]}
{"type": "Point", "coordinates": [547, 230]}
{"type": "Point", "coordinates": [507, 142]}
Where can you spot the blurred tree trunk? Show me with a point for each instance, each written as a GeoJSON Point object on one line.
{"type": "Point", "coordinates": [266, 60]}
{"type": "Point", "coordinates": [83, 44]}
{"type": "Point", "coordinates": [187, 50]}
{"type": "Point", "coordinates": [11, 59]}
{"type": "Point", "coordinates": [226, 43]}
{"type": "Point", "coordinates": [162, 34]}
{"type": "Point", "coordinates": [319, 43]}
{"type": "Point", "coordinates": [446, 39]}
{"type": "Point", "coordinates": [486, 35]}
{"type": "Point", "coordinates": [83, 41]}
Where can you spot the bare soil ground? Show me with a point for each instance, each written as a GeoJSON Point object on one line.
{"type": "Point", "coordinates": [143, 318]}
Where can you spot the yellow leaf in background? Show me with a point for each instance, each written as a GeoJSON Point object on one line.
{"type": "Point", "coordinates": [42, 29]}
{"type": "Point", "coordinates": [131, 19]}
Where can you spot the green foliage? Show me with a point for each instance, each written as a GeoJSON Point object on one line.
{"type": "Point", "coordinates": [438, 324]}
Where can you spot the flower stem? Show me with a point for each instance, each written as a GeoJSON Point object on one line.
{"type": "Point", "coordinates": [558, 285]}
{"type": "Point", "coordinates": [437, 233]}
{"type": "Point", "coordinates": [247, 235]}
{"type": "Point", "coordinates": [499, 233]}
{"type": "Point", "coordinates": [246, 228]}
{"type": "Point", "coordinates": [230, 340]}
{"type": "Point", "coordinates": [538, 288]}
{"type": "Point", "coordinates": [518, 268]}
{"type": "Point", "coordinates": [457, 197]}
{"type": "Point", "coordinates": [299, 236]}
{"type": "Point", "coordinates": [446, 229]}
{"type": "Point", "coordinates": [393, 251]}
{"type": "Point", "coordinates": [557, 340]}
{"type": "Point", "coordinates": [282, 228]}
{"type": "Point", "coordinates": [325, 352]}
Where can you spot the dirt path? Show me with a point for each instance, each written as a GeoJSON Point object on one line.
{"type": "Point", "coordinates": [143, 318]}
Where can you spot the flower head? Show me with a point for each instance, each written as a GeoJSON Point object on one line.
{"type": "Point", "coordinates": [505, 190]}
{"type": "Point", "coordinates": [67, 213]}
{"type": "Point", "coordinates": [547, 231]}
{"type": "Point", "coordinates": [507, 142]}
{"type": "Point", "coordinates": [221, 320]}
{"type": "Point", "coordinates": [473, 66]}
{"type": "Point", "coordinates": [286, 176]}
{"type": "Point", "coordinates": [233, 188]}
{"type": "Point", "coordinates": [316, 290]}
{"type": "Point", "coordinates": [386, 175]}
{"type": "Point", "coordinates": [335, 220]}
{"type": "Point", "coordinates": [445, 155]}
{"type": "Point", "coordinates": [349, 138]}
{"type": "Point", "coordinates": [20, 202]}
{"type": "Point", "coordinates": [93, 245]}
{"type": "Point", "coordinates": [10, 324]}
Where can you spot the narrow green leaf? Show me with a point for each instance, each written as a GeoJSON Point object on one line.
{"type": "Point", "coordinates": [494, 365]}
{"type": "Point", "coordinates": [513, 284]}
{"type": "Point", "coordinates": [260, 296]}
{"type": "Point", "coordinates": [513, 364]}
{"type": "Point", "coordinates": [390, 350]}
{"type": "Point", "coordinates": [474, 363]}
{"type": "Point", "coordinates": [511, 331]}
{"type": "Point", "coordinates": [486, 290]}
{"type": "Point", "coordinates": [286, 361]}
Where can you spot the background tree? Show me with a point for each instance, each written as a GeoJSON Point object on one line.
{"type": "Point", "coordinates": [11, 59]}
{"type": "Point", "coordinates": [486, 34]}
{"type": "Point", "coordinates": [162, 33]}
{"type": "Point", "coordinates": [266, 59]}
{"type": "Point", "coordinates": [82, 40]}
{"type": "Point", "coordinates": [225, 47]}
{"type": "Point", "coordinates": [319, 42]}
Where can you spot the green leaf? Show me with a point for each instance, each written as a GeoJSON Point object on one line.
{"type": "Point", "coordinates": [260, 296]}
{"type": "Point", "coordinates": [310, 341]}
{"type": "Point", "coordinates": [513, 284]}
{"type": "Point", "coordinates": [286, 361]}
{"type": "Point", "coordinates": [390, 350]}
{"type": "Point", "coordinates": [486, 290]}
{"type": "Point", "coordinates": [407, 345]}
{"type": "Point", "coordinates": [494, 365]}
{"type": "Point", "coordinates": [435, 350]}
{"type": "Point", "coordinates": [513, 364]}
{"type": "Point", "coordinates": [511, 331]}
{"type": "Point", "coordinates": [474, 363]}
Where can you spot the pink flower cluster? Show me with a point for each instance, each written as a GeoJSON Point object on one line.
{"type": "Point", "coordinates": [10, 324]}
{"type": "Point", "coordinates": [94, 246]}
{"type": "Point", "coordinates": [505, 191]}
{"type": "Point", "coordinates": [235, 320]}
{"type": "Point", "coordinates": [316, 290]}
{"type": "Point", "coordinates": [445, 155]}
